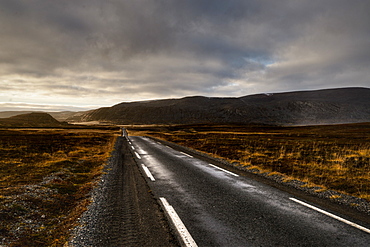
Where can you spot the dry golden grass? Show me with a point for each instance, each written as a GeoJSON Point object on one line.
{"type": "Point", "coordinates": [45, 177]}
{"type": "Point", "coordinates": [333, 157]}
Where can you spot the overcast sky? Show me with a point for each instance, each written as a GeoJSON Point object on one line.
{"type": "Point", "coordinates": [79, 54]}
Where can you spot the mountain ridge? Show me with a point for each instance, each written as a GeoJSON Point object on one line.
{"type": "Point", "coordinates": [325, 106]}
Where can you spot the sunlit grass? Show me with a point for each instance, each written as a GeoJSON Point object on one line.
{"type": "Point", "coordinates": [333, 157]}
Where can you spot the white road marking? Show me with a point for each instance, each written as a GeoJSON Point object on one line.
{"type": "Point", "coordinates": [137, 155]}
{"type": "Point", "coordinates": [231, 173]}
{"type": "Point", "coordinates": [147, 172]}
{"type": "Point", "coordinates": [177, 222]}
{"type": "Point", "coordinates": [133, 148]}
{"type": "Point", "coordinates": [187, 154]}
{"type": "Point", "coordinates": [331, 215]}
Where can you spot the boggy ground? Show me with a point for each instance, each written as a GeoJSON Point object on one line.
{"type": "Point", "coordinates": [335, 157]}
{"type": "Point", "coordinates": [45, 179]}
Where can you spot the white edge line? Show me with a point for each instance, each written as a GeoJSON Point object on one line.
{"type": "Point", "coordinates": [331, 215]}
{"type": "Point", "coordinates": [147, 172]}
{"type": "Point", "coordinates": [187, 154]}
{"type": "Point", "coordinates": [137, 155]}
{"type": "Point", "coordinates": [231, 173]}
{"type": "Point", "coordinates": [186, 238]}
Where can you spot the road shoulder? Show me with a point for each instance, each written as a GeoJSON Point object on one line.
{"type": "Point", "coordinates": [123, 211]}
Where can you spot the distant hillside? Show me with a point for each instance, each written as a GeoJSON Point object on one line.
{"type": "Point", "coordinates": [60, 116]}
{"type": "Point", "coordinates": [30, 120]}
{"type": "Point", "coordinates": [329, 106]}
{"type": "Point", "coordinates": [7, 114]}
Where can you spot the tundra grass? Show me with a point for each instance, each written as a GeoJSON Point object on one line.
{"type": "Point", "coordinates": [333, 157]}
{"type": "Point", "coordinates": [45, 178]}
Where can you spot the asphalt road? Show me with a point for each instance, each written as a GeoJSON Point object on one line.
{"type": "Point", "coordinates": [122, 213]}
{"type": "Point", "coordinates": [220, 208]}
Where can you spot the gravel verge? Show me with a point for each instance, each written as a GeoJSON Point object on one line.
{"type": "Point", "coordinates": [123, 212]}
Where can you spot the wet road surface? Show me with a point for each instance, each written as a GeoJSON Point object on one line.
{"type": "Point", "coordinates": [221, 208]}
{"type": "Point", "coordinates": [123, 211]}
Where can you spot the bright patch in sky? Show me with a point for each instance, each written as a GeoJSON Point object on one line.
{"type": "Point", "coordinates": [73, 55]}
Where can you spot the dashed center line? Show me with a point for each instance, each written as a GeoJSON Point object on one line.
{"type": "Point", "coordinates": [133, 148]}
{"type": "Point", "coordinates": [186, 238]}
{"type": "Point", "coordinates": [137, 155]}
{"type": "Point", "coordinates": [331, 215]}
{"type": "Point", "coordinates": [187, 154]}
{"type": "Point", "coordinates": [219, 168]}
{"type": "Point", "coordinates": [147, 172]}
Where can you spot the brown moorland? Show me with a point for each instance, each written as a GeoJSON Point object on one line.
{"type": "Point", "coordinates": [335, 157]}
{"type": "Point", "coordinates": [45, 178]}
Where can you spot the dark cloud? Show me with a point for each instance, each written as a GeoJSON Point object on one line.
{"type": "Point", "coordinates": [130, 50]}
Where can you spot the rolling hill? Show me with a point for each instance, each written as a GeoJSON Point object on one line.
{"type": "Point", "coordinates": [60, 116]}
{"type": "Point", "coordinates": [34, 119]}
{"type": "Point", "coordinates": [328, 106]}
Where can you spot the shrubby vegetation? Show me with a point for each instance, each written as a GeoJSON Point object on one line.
{"type": "Point", "coordinates": [45, 178]}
